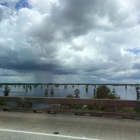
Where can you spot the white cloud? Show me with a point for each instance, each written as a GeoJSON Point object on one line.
{"type": "Point", "coordinates": [63, 40]}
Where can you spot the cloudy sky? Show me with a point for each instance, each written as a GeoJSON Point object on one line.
{"type": "Point", "coordinates": [86, 41]}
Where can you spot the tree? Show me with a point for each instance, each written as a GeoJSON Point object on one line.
{"type": "Point", "coordinates": [77, 92]}
{"type": "Point", "coordinates": [104, 92]}
{"type": "Point", "coordinates": [6, 91]}
{"type": "Point", "coordinates": [46, 92]}
{"type": "Point", "coordinates": [52, 92]}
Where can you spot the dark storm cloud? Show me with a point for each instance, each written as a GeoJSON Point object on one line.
{"type": "Point", "coordinates": [136, 66]}
{"type": "Point", "coordinates": [1, 14]}
{"type": "Point", "coordinates": [27, 66]}
{"type": "Point", "coordinates": [73, 14]}
{"type": "Point", "coordinates": [31, 66]}
{"type": "Point", "coordinates": [14, 62]}
{"type": "Point", "coordinates": [121, 78]}
{"type": "Point", "coordinates": [64, 71]}
{"type": "Point", "coordinates": [8, 75]}
{"type": "Point", "coordinates": [23, 65]}
{"type": "Point", "coordinates": [135, 75]}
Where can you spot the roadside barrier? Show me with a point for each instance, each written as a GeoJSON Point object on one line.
{"type": "Point", "coordinates": [5, 100]}
{"type": "Point", "coordinates": [64, 105]}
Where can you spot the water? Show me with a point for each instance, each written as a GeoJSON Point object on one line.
{"type": "Point", "coordinates": [128, 93]}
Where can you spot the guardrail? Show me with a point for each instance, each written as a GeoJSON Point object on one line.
{"type": "Point", "coordinates": [18, 100]}
{"type": "Point", "coordinates": [26, 103]}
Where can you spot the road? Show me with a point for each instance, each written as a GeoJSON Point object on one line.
{"type": "Point", "coordinates": [39, 126]}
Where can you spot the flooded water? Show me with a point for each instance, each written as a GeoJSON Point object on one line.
{"type": "Point", "coordinates": [125, 92]}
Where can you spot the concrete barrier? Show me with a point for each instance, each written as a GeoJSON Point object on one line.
{"type": "Point", "coordinates": [66, 103]}
{"type": "Point", "coordinates": [18, 100]}
{"type": "Point", "coordinates": [72, 101]}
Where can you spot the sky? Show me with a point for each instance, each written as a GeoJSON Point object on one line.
{"type": "Point", "coordinates": [70, 41]}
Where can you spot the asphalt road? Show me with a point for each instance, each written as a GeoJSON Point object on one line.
{"type": "Point", "coordinates": [38, 126]}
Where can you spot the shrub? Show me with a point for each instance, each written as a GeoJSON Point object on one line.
{"type": "Point", "coordinates": [95, 107]}
{"type": "Point", "coordinates": [69, 96]}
